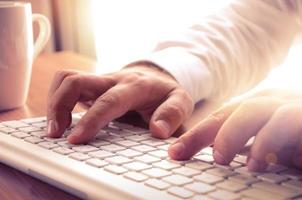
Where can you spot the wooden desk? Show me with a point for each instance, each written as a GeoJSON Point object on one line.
{"type": "Point", "coordinates": [17, 185]}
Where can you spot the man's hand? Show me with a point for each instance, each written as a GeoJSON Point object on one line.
{"type": "Point", "coordinates": [149, 91]}
{"type": "Point", "coordinates": [274, 118]}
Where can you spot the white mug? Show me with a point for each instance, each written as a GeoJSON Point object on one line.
{"type": "Point", "coordinates": [17, 50]}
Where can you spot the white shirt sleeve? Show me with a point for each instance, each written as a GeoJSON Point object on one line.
{"type": "Point", "coordinates": [231, 51]}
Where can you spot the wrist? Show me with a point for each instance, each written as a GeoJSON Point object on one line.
{"type": "Point", "coordinates": [149, 67]}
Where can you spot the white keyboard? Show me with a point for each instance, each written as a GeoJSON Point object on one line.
{"type": "Point", "coordinates": [125, 162]}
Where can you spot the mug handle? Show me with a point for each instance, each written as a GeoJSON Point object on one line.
{"type": "Point", "coordinates": [44, 32]}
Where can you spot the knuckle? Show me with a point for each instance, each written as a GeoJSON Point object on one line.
{"type": "Point", "coordinates": [73, 81]}
{"type": "Point", "coordinates": [112, 99]}
{"type": "Point", "coordinates": [63, 73]}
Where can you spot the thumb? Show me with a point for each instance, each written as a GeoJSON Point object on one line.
{"type": "Point", "coordinates": [171, 114]}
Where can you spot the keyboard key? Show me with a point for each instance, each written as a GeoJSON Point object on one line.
{"type": "Point", "coordinates": [20, 135]}
{"type": "Point", "coordinates": [153, 142]}
{"type": "Point", "coordinates": [294, 184]}
{"type": "Point", "coordinates": [278, 189]}
{"type": "Point", "coordinates": [201, 197]}
{"type": "Point", "coordinates": [180, 192]}
{"type": "Point", "coordinates": [136, 138]}
{"type": "Point", "coordinates": [245, 171]}
{"type": "Point", "coordinates": [208, 178]}
{"type": "Point", "coordinates": [29, 129]}
{"type": "Point", "coordinates": [207, 150]}
{"type": "Point", "coordinates": [38, 133]}
{"type": "Point", "coordinates": [135, 130]}
{"type": "Point", "coordinates": [241, 159]}
{"type": "Point", "coordinates": [130, 153]}
{"type": "Point", "coordinates": [100, 154]}
{"type": "Point", "coordinates": [126, 143]}
{"type": "Point", "coordinates": [136, 176]}
{"type": "Point", "coordinates": [273, 178]}
{"type": "Point", "coordinates": [231, 186]}
{"type": "Point", "coordinates": [15, 124]}
{"type": "Point", "coordinates": [33, 139]}
{"type": "Point", "coordinates": [143, 148]}
{"type": "Point", "coordinates": [118, 160]}
{"type": "Point", "coordinates": [40, 124]}
{"type": "Point", "coordinates": [177, 180]}
{"type": "Point", "coordinates": [48, 145]}
{"type": "Point", "coordinates": [205, 158]}
{"type": "Point", "coordinates": [7, 130]}
{"type": "Point", "coordinates": [63, 150]}
{"type": "Point", "coordinates": [186, 171]}
{"type": "Point", "coordinates": [255, 193]}
{"type": "Point", "coordinates": [137, 166]}
{"type": "Point", "coordinates": [112, 138]}
{"type": "Point", "coordinates": [147, 159]}
{"type": "Point", "coordinates": [199, 165]}
{"type": "Point", "coordinates": [221, 172]}
{"type": "Point", "coordinates": [224, 195]}
{"type": "Point", "coordinates": [112, 148]}
{"type": "Point", "coordinates": [157, 184]}
{"type": "Point", "coordinates": [244, 179]}
{"type": "Point", "coordinates": [79, 156]}
{"type": "Point", "coordinates": [84, 148]}
{"type": "Point", "coordinates": [167, 165]}
{"type": "Point", "coordinates": [96, 162]}
{"type": "Point", "coordinates": [34, 120]}
{"type": "Point", "coordinates": [66, 144]}
{"type": "Point", "coordinates": [115, 169]}
{"type": "Point", "coordinates": [156, 172]}
{"type": "Point", "coordinates": [54, 140]}
{"type": "Point", "coordinates": [98, 143]}
{"type": "Point", "coordinates": [164, 147]}
{"type": "Point", "coordinates": [170, 140]}
{"type": "Point", "coordinates": [159, 153]}
{"type": "Point", "coordinates": [200, 188]}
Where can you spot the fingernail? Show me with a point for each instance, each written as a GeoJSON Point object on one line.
{"type": "Point", "coordinates": [163, 126]}
{"type": "Point", "coordinates": [51, 127]}
{"type": "Point", "coordinates": [219, 159]}
{"type": "Point", "coordinates": [256, 166]}
{"type": "Point", "coordinates": [177, 150]}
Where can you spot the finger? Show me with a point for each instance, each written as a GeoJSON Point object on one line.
{"type": "Point", "coordinates": [58, 79]}
{"type": "Point", "coordinates": [112, 104]}
{"type": "Point", "coordinates": [171, 114]}
{"type": "Point", "coordinates": [244, 123]}
{"type": "Point", "coordinates": [202, 135]}
{"type": "Point", "coordinates": [281, 134]}
{"type": "Point", "coordinates": [73, 88]}
{"type": "Point", "coordinates": [297, 158]}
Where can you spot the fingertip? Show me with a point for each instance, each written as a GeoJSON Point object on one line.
{"type": "Point", "coordinates": [77, 136]}
{"type": "Point", "coordinates": [256, 165]}
{"type": "Point", "coordinates": [219, 158]}
{"type": "Point", "coordinates": [52, 129]}
{"type": "Point", "coordinates": [160, 129]}
{"type": "Point", "coordinates": [177, 151]}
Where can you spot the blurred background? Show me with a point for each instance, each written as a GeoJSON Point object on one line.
{"type": "Point", "coordinates": [116, 32]}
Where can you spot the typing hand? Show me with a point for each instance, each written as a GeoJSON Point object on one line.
{"type": "Point", "coordinates": [155, 95]}
{"type": "Point", "coordinates": [275, 118]}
